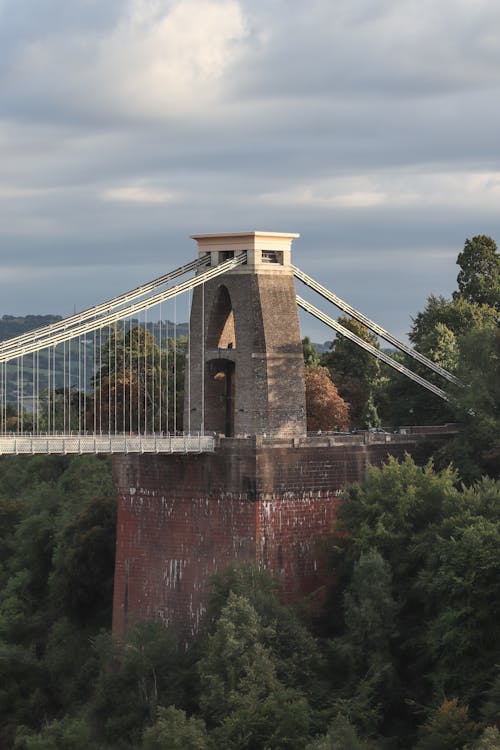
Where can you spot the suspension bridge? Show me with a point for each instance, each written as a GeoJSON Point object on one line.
{"type": "Point", "coordinates": [115, 378]}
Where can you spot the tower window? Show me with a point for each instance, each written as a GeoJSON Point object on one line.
{"type": "Point", "coordinates": [272, 256]}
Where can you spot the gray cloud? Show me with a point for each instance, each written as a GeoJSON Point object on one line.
{"type": "Point", "coordinates": [369, 127]}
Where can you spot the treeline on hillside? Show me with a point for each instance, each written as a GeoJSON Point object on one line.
{"type": "Point", "coordinates": [400, 650]}
{"type": "Point", "coordinates": [12, 325]}
{"type": "Point", "coordinates": [15, 325]}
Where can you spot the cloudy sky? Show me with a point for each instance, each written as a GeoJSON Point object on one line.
{"type": "Point", "coordinates": [372, 127]}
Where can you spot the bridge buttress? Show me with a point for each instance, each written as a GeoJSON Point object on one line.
{"type": "Point", "coordinates": [183, 518]}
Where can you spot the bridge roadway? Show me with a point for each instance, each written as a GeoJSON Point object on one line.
{"type": "Point", "coordinates": [13, 444]}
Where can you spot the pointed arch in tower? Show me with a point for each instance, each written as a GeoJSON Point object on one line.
{"type": "Point", "coordinates": [221, 332]}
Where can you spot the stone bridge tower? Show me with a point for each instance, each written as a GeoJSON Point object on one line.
{"type": "Point", "coordinates": [268, 493]}
{"type": "Point", "coordinates": [246, 374]}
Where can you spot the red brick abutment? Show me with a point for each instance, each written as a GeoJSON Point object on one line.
{"type": "Point", "coordinates": [182, 518]}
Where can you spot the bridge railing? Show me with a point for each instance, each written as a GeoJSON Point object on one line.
{"type": "Point", "coordinates": [67, 444]}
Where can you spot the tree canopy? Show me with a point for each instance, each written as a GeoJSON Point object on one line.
{"type": "Point", "coordinates": [479, 276]}
{"type": "Point", "coordinates": [325, 409]}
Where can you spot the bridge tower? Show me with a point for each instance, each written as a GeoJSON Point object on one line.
{"type": "Point", "coordinates": [268, 493]}
{"type": "Point", "coordinates": [245, 374]}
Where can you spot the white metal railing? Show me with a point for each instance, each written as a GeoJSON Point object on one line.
{"type": "Point", "coordinates": [16, 445]}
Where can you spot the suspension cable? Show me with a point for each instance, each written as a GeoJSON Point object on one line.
{"type": "Point", "coordinates": [127, 311]}
{"type": "Point", "coordinates": [175, 368]}
{"type": "Point", "coordinates": [104, 307]}
{"type": "Point", "coordinates": [369, 348]}
{"type": "Point", "coordinates": [188, 362]}
{"type": "Point", "coordinates": [167, 378]}
{"type": "Point", "coordinates": [160, 376]}
{"type": "Point", "coordinates": [340, 303]}
{"type": "Point", "coordinates": [202, 425]}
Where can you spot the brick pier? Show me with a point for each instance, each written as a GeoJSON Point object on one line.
{"type": "Point", "coordinates": [183, 518]}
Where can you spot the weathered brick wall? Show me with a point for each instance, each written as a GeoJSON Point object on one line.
{"type": "Point", "coordinates": [182, 518]}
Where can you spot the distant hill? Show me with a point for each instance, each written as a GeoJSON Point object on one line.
{"type": "Point", "coordinates": [324, 347]}
{"type": "Point", "coordinates": [11, 325]}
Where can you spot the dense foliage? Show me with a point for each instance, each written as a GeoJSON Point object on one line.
{"type": "Point", "coordinates": [325, 409]}
{"type": "Point", "coordinates": [461, 335]}
{"type": "Point", "coordinates": [56, 582]}
{"type": "Point", "coordinates": [404, 652]}
{"type": "Point", "coordinates": [356, 372]}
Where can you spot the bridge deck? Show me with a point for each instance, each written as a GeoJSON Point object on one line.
{"type": "Point", "coordinates": [63, 444]}
{"type": "Point", "coordinates": [13, 444]}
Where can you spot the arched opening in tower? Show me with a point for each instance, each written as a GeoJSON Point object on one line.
{"type": "Point", "coordinates": [221, 332]}
{"type": "Point", "coordinates": [220, 395]}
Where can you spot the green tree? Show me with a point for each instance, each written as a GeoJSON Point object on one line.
{"type": "Point", "coordinates": [276, 720]}
{"type": "Point", "coordinates": [233, 650]}
{"type": "Point", "coordinates": [46, 663]}
{"type": "Point", "coordinates": [437, 333]}
{"type": "Point", "coordinates": [70, 665]}
{"type": "Point", "coordinates": [370, 610]}
{"type": "Point", "coordinates": [341, 735]}
{"type": "Point", "coordinates": [448, 728]}
{"type": "Point", "coordinates": [126, 387]}
{"type": "Point", "coordinates": [459, 315]}
{"type": "Point", "coordinates": [394, 513]}
{"type": "Point", "coordinates": [441, 542]}
{"type": "Point", "coordinates": [173, 730]}
{"type": "Point", "coordinates": [476, 406]}
{"type": "Point", "coordinates": [135, 677]}
{"type": "Point", "coordinates": [395, 506]}
{"type": "Point", "coordinates": [297, 657]}
{"type": "Point", "coordinates": [362, 655]}
{"type": "Point", "coordinates": [462, 588]}
{"type": "Point", "coordinates": [406, 403]}
{"type": "Point", "coordinates": [490, 709]}
{"type": "Point", "coordinates": [311, 356]}
{"type": "Point", "coordinates": [479, 275]}
{"type": "Point", "coordinates": [440, 345]}
{"type": "Point", "coordinates": [489, 740]}
{"type": "Point", "coordinates": [240, 690]}
{"type": "Point", "coordinates": [23, 697]}
{"type": "Point", "coordinates": [69, 733]}
{"type": "Point", "coordinates": [10, 515]}
{"type": "Point", "coordinates": [356, 372]}
{"type": "Point", "coordinates": [85, 553]}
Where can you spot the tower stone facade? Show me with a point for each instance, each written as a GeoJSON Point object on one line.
{"type": "Point", "coordinates": [245, 371]}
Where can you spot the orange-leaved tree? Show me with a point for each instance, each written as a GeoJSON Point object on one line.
{"type": "Point", "coordinates": [326, 410]}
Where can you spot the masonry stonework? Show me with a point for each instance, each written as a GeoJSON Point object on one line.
{"type": "Point", "coordinates": [183, 518]}
{"type": "Point", "coordinates": [245, 371]}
